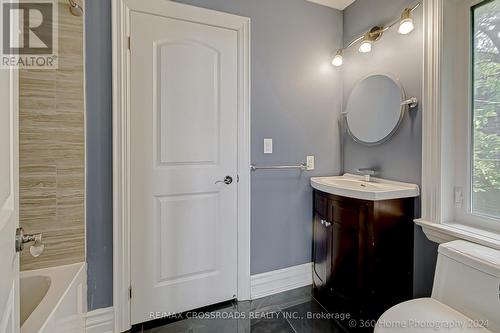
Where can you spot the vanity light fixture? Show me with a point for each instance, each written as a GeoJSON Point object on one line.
{"type": "Point", "coordinates": [367, 40]}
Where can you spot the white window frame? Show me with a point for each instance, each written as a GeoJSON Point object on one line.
{"type": "Point", "coordinates": [446, 150]}
{"type": "Point", "coordinates": [463, 176]}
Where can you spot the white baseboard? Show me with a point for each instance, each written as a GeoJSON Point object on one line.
{"type": "Point", "coordinates": [100, 321]}
{"type": "Point", "coordinates": [265, 284]}
{"type": "Point", "coordinates": [274, 282]}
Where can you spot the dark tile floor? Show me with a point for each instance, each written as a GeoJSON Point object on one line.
{"type": "Point", "coordinates": [294, 311]}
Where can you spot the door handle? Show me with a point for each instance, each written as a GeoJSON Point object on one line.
{"type": "Point", "coordinates": [326, 223]}
{"type": "Point", "coordinates": [227, 180]}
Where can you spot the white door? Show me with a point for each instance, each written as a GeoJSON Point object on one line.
{"type": "Point", "coordinates": [183, 142]}
{"type": "Point", "coordinates": [9, 260]}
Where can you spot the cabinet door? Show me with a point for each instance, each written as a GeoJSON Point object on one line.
{"type": "Point", "coordinates": [348, 249]}
{"type": "Point", "coordinates": [322, 243]}
{"type": "Point", "coordinates": [321, 205]}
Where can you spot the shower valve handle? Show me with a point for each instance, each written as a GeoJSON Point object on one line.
{"type": "Point", "coordinates": [22, 238]}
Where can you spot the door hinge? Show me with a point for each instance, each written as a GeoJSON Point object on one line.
{"type": "Point", "coordinates": [130, 292]}
{"type": "Point", "coordinates": [128, 42]}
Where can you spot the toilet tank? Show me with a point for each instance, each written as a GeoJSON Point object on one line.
{"type": "Point", "coordinates": [468, 279]}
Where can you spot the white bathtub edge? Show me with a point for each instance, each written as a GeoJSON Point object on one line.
{"type": "Point", "coordinates": [100, 321]}
{"type": "Point", "coordinates": [79, 268]}
{"type": "Point", "coordinates": [63, 279]}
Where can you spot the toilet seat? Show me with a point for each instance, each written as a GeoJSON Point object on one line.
{"type": "Point", "coordinates": [425, 315]}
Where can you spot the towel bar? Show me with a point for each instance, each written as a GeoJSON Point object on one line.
{"type": "Point", "coordinates": [302, 167]}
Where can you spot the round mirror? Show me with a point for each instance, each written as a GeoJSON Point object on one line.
{"type": "Point", "coordinates": [374, 109]}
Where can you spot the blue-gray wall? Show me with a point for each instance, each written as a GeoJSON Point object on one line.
{"type": "Point", "coordinates": [99, 153]}
{"type": "Point", "coordinates": [295, 101]}
{"type": "Point", "coordinates": [400, 158]}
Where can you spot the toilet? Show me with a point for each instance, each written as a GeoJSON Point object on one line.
{"type": "Point", "coordinates": [465, 295]}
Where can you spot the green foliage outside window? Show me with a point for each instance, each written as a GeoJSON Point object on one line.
{"type": "Point", "coordinates": [486, 109]}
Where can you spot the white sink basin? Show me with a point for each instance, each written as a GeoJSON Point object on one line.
{"type": "Point", "coordinates": [356, 187]}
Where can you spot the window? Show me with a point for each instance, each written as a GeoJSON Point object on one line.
{"type": "Point", "coordinates": [485, 122]}
{"type": "Point", "coordinates": [461, 122]}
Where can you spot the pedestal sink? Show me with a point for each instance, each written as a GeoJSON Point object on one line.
{"type": "Point", "coordinates": [353, 186]}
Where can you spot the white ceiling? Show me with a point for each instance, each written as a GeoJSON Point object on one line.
{"type": "Point", "coordinates": [337, 4]}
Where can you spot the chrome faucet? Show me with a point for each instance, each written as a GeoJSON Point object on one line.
{"type": "Point", "coordinates": [21, 238]}
{"type": "Point", "coordinates": [368, 173]}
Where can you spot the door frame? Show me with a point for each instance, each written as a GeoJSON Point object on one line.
{"type": "Point", "coordinates": [121, 10]}
{"type": "Point", "coordinates": [13, 200]}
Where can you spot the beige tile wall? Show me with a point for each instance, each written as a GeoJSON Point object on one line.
{"type": "Point", "coordinates": [52, 151]}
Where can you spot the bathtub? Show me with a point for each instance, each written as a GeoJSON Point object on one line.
{"type": "Point", "coordinates": [53, 300]}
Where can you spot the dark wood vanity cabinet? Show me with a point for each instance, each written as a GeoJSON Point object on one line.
{"type": "Point", "coordinates": [362, 252]}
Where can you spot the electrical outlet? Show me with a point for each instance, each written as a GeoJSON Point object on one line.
{"type": "Point", "coordinates": [310, 163]}
{"type": "Point", "coordinates": [268, 146]}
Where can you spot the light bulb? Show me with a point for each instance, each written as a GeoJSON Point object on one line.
{"type": "Point", "coordinates": [365, 47]}
{"type": "Point", "coordinates": [338, 59]}
{"type": "Point", "coordinates": [406, 26]}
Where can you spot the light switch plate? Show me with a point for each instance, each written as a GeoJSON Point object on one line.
{"type": "Point", "coordinates": [310, 162]}
{"type": "Point", "coordinates": [268, 146]}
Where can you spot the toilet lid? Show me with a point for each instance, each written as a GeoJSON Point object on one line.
{"type": "Point", "coordinates": [426, 315]}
